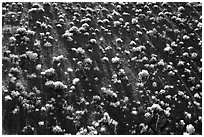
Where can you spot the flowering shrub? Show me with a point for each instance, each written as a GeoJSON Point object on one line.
{"type": "Point", "coordinates": [31, 55]}
{"type": "Point", "coordinates": [115, 60]}
{"type": "Point", "coordinates": [59, 85]}
{"type": "Point", "coordinates": [57, 129]}
{"type": "Point", "coordinates": [190, 129]}
{"type": "Point", "coordinates": [108, 92]}
{"type": "Point", "coordinates": [143, 75]}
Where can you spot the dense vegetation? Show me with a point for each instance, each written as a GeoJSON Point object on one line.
{"type": "Point", "coordinates": [102, 68]}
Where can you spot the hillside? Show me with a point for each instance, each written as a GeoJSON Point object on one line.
{"type": "Point", "coordinates": [102, 68]}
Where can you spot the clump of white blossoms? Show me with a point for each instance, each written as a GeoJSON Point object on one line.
{"type": "Point", "coordinates": [49, 83]}
{"type": "Point", "coordinates": [132, 43]}
{"type": "Point", "coordinates": [115, 60]}
{"type": "Point", "coordinates": [93, 41]}
{"type": "Point", "coordinates": [69, 69]}
{"type": "Point", "coordinates": [57, 129]}
{"type": "Point", "coordinates": [13, 56]}
{"type": "Point", "coordinates": [161, 62]}
{"type": "Point", "coordinates": [121, 71]}
{"type": "Point", "coordinates": [15, 93]}
{"type": "Point", "coordinates": [30, 32]}
{"type": "Point", "coordinates": [185, 37]}
{"type": "Point", "coordinates": [80, 50]}
{"type": "Point", "coordinates": [73, 29]}
{"type": "Point", "coordinates": [88, 60]}
{"type": "Point", "coordinates": [41, 123]}
{"type": "Point", "coordinates": [58, 58]}
{"type": "Point", "coordinates": [75, 81]}
{"type": "Point", "coordinates": [134, 21]}
{"type": "Point", "coordinates": [7, 98]}
{"type": "Point", "coordinates": [119, 40]}
{"type": "Point", "coordinates": [38, 67]}
{"type": "Point", "coordinates": [168, 49]}
{"type": "Point", "coordinates": [108, 92]}
{"type": "Point", "coordinates": [194, 55]}
{"type": "Point", "coordinates": [21, 30]}
{"type": "Point", "coordinates": [137, 49]}
{"type": "Point", "coordinates": [144, 74]}
{"type": "Point", "coordinates": [105, 59]}
{"type": "Point", "coordinates": [12, 39]}
{"type": "Point", "coordinates": [59, 85]}
{"type": "Point", "coordinates": [14, 70]}
{"type": "Point", "coordinates": [155, 107]}
{"type": "Point", "coordinates": [190, 129]}
{"type": "Point", "coordinates": [147, 115]}
{"type": "Point", "coordinates": [48, 72]}
{"type": "Point", "coordinates": [31, 55]}
{"type": "Point", "coordinates": [47, 45]}
{"type": "Point", "coordinates": [116, 23]}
